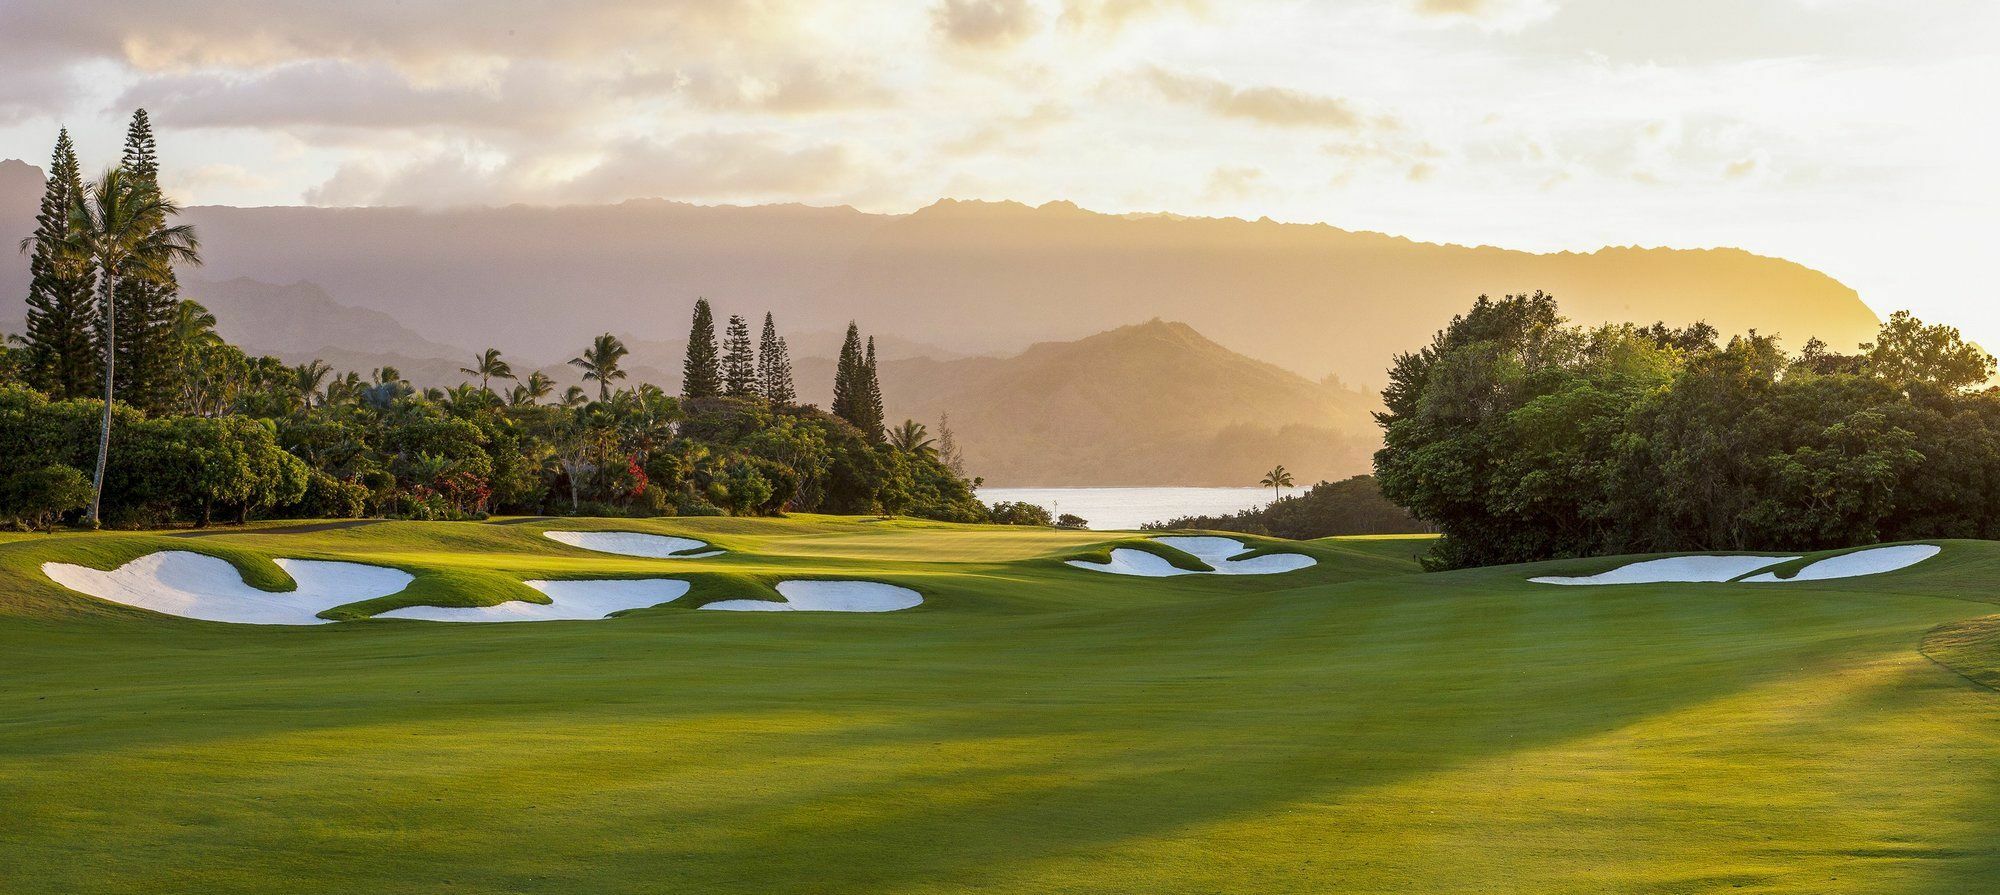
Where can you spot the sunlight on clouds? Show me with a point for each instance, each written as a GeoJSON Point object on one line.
{"type": "Point", "coordinates": [1841, 133]}
{"type": "Point", "coordinates": [985, 23]}
{"type": "Point", "coordinates": [1269, 105]}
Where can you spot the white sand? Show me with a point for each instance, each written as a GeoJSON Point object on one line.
{"type": "Point", "coordinates": [195, 585]}
{"type": "Point", "coordinates": [1209, 549]}
{"type": "Point", "coordinates": [1675, 569]}
{"type": "Point", "coordinates": [1127, 561]}
{"type": "Point", "coordinates": [632, 543]}
{"type": "Point", "coordinates": [828, 596]}
{"type": "Point", "coordinates": [572, 600]}
{"type": "Point", "coordinates": [1874, 561]}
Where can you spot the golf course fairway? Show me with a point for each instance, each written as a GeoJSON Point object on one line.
{"type": "Point", "coordinates": [1355, 726]}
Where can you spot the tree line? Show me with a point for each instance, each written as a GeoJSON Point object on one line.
{"type": "Point", "coordinates": [1523, 437]}
{"type": "Point", "coordinates": [1351, 506]}
{"type": "Point", "coordinates": [117, 373]}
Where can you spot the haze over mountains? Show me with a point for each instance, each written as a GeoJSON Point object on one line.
{"type": "Point", "coordinates": [974, 277]}
{"type": "Point", "coordinates": [1158, 403]}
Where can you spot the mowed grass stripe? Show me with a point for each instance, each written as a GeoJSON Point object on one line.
{"type": "Point", "coordinates": [1356, 727]}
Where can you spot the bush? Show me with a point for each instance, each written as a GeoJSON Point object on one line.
{"type": "Point", "coordinates": [689, 505]}
{"type": "Point", "coordinates": [1353, 506]}
{"type": "Point", "coordinates": [1072, 520]}
{"type": "Point", "coordinates": [327, 497]}
{"type": "Point", "coordinates": [1009, 512]}
{"type": "Point", "coordinates": [36, 497]}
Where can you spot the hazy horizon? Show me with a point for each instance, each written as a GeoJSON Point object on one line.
{"type": "Point", "coordinates": [1834, 133]}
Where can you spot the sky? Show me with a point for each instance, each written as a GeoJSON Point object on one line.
{"type": "Point", "coordinates": [1854, 136]}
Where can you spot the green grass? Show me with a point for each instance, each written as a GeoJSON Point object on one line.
{"type": "Point", "coordinates": [1353, 727]}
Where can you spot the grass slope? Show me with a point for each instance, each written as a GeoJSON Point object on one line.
{"type": "Point", "coordinates": [1353, 727]}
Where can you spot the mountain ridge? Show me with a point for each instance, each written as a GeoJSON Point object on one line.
{"type": "Point", "coordinates": [970, 276]}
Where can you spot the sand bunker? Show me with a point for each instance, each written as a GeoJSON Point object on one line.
{"type": "Point", "coordinates": [1675, 569]}
{"type": "Point", "coordinates": [632, 543]}
{"type": "Point", "coordinates": [1873, 561]}
{"type": "Point", "coordinates": [195, 585]}
{"type": "Point", "coordinates": [568, 600]}
{"type": "Point", "coordinates": [828, 596]}
{"type": "Point", "coordinates": [1212, 550]}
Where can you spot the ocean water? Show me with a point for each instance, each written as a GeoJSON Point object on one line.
{"type": "Point", "coordinates": [1123, 508]}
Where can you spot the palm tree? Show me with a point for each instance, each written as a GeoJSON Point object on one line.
{"type": "Point", "coordinates": [193, 327]}
{"type": "Point", "coordinates": [118, 225]}
{"type": "Point", "coordinates": [912, 438]}
{"type": "Point", "coordinates": [488, 366]}
{"type": "Point", "coordinates": [574, 397]}
{"type": "Point", "coordinates": [599, 363]}
{"type": "Point", "coordinates": [308, 378]}
{"type": "Point", "coordinates": [462, 399]}
{"type": "Point", "coordinates": [1275, 479]}
{"type": "Point", "coordinates": [532, 390]}
{"type": "Point", "coordinates": [344, 389]}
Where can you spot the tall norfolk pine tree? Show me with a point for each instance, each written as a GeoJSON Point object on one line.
{"type": "Point", "coordinates": [739, 362]}
{"type": "Point", "coordinates": [847, 386]}
{"type": "Point", "coordinates": [62, 351]}
{"type": "Point", "coordinates": [701, 375]}
{"type": "Point", "coordinates": [774, 366]}
{"type": "Point", "coordinates": [146, 302]}
{"type": "Point", "coordinates": [869, 400]}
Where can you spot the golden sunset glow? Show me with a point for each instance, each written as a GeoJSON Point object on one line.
{"type": "Point", "coordinates": [1843, 134]}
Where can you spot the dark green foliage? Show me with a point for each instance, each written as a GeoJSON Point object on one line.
{"type": "Point", "coordinates": [169, 468]}
{"type": "Point", "coordinates": [739, 360]}
{"type": "Point", "coordinates": [61, 350]}
{"type": "Point", "coordinates": [36, 497]}
{"type": "Point", "coordinates": [847, 384]}
{"type": "Point", "coordinates": [1007, 512]}
{"type": "Point", "coordinates": [774, 367]}
{"type": "Point", "coordinates": [701, 373]}
{"type": "Point", "coordinates": [147, 299]}
{"type": "Point", "coordinates": [225, 433]}
{"type": "Point", "coordinates": [1522, 438]}
{"type": "Point", "coordinates": [868, 398]}
{"type": "Point", "coordinates": [600, 363]}
{"type": "Point", "coordinates": [327, 497]}
{"type": "Point", "coordinates": [1908, 351]}
{"type": "Point", "coordinates": [1352, 506]}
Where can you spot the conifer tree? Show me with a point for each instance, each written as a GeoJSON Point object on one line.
{"type": "Point", "coordinates": [774, 366]}
{"type": "Point", "coordinates": [947, 446]}
{"type": "Point", "coordinates": [145, 305]}
{"type": "Point", "coordinates": [739, 362]}
{"type": "Point", "coordinates": [847, 375]}
{"type": "Point", "coordinates": [701, 374]}
{"type": "Point", "coordinates": [869, 403]}
{"type": "Point", "coordinates": [61, 350]}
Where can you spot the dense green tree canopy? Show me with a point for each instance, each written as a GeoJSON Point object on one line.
{"type": "Point", "coordinates": [1522, 437]}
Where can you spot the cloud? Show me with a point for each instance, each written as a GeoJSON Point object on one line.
{"type": "Point", "coordinates": [252, 33]}
{"type": "Point", "coordinates": [1454, 7]}
{"type": "Point", "coordinates": [1280, 106]}
{"type": "Point", "coordinates": [1493, 15]}
{"type": "Point", "coordinates": [1234, 182]}
{"type": "Point", "coordinates": [1009, 130]}
{"type": "Point", "coordinates": [717, 166]}
{"type": "Point", "coordinates": [1114, 15]}
{"type": "Point", "coordinates": [985, 23]}
{"type": "Point", "coordinates": [796, 87]}
{"type": "Point", "coordinates": [710, 167]}
{"type": "Point", "coordinates": [28, 92]}
{"type": "Point", "coordinates": [526, 96]}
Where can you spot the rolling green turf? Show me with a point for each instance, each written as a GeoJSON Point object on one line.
{"type": "Point", "coordinates": [1354, 727]}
